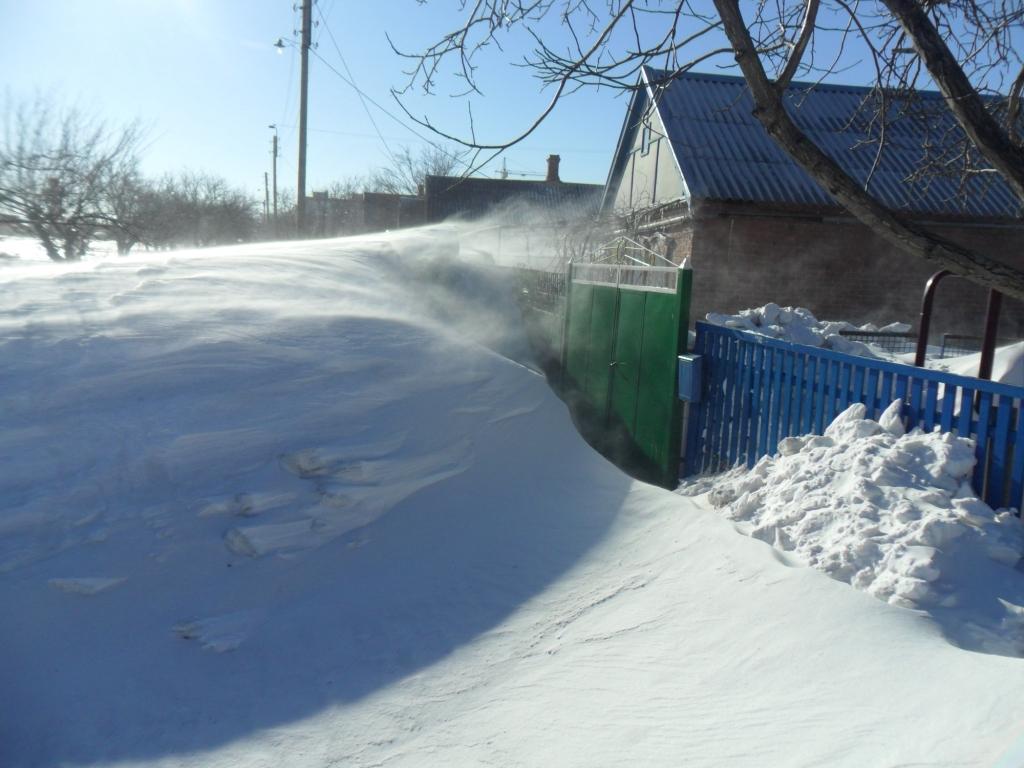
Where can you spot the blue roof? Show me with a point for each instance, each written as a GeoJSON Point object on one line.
{"type": "Point", "coordinates": [724, 153]}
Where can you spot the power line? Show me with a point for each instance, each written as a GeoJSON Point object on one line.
{"type": "Point", "coordinates": [398, 120]}
{"type": "Point", "coordinates": [325, 16]}
{"type": "Point", "coordinates": [359, 93]}
{"type": "Point", "coordinates": [288, 92]}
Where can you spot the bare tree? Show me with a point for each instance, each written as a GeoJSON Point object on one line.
{"type": "Point", "coordinates": [967, 48]}
{"type": "Point", "coordinates": [347, 187]}
{"type": "Point", "coordinates": [407, 170]}
{"type": "Point", "coordinates": [130, 202]}
{"type": "Point", "coordinates": [55, 167]}
{"type": "Point", "coordinates": [199, 209]}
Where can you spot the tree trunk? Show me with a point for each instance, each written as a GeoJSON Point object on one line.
{"type": "Point", "coordinates": [52, 251]}
{"type": "Point", "coordinates": [770, 110]}
{"type": "Point", "coordinates": [125, 245]}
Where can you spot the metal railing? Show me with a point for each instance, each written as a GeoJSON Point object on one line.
{"type": "Point", "coordinates": [657, 279]}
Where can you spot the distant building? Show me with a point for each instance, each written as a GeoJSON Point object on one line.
{"type": "Point", "coordinates": [694, 164]}
{"type": "Point", "coordinates": [448, 197]}
{"type": "Point", "coordinates": [361, 213]}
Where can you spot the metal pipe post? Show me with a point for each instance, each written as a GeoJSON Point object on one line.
{"type": "Point", "coordinates": [925, 321]}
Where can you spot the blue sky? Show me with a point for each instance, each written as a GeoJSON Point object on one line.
{"type": "Point", "coordinates": [203, 75]}
{"type": "Point", "coordinates": [206, 80]}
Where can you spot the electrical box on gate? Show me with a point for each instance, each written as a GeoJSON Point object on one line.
{"type": "Point", "coordinates": [690, 368]}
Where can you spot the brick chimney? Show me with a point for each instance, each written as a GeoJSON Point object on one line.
{"type": "Point", "coordinates": [553, 161]}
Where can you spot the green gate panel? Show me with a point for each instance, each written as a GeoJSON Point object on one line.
{"type": "Point", "coordinates": [658, 398]}
{"type": "Point", "coordinates": [621, 351]}
{"type": "Point", "coordinates": [626, 369]}
{"type": "Point", "coordinates": [580, 306]}
{"type": "Point", "coordinates": [599, 348]}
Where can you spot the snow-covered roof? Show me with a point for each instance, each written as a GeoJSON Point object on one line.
{"type": "Point", "coordinates": [725, 154]}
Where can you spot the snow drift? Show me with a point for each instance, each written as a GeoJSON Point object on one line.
{"type": "Point", "coordinates": [305, 504]}
{"type": "Point", "coordinates": [1007, 364]}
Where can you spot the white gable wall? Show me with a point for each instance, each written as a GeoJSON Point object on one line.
{"type": "Point", "coordinates": [649, 177]}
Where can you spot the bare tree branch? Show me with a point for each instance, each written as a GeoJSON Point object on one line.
{"type": "Point", "coordinates": [961, 97]}
{"type": "Point", "coordinates": [797, 54]}
{"type": "Point", "coordinates": [770, 110]}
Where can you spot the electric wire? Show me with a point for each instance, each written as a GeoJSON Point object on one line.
{"type": "Point", "coordinates": [349, 81]}
{"type": "Point", "coordinates": [359, 93]}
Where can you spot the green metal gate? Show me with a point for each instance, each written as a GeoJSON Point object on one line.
{"type": "Point", "coordinates": [625, 328]}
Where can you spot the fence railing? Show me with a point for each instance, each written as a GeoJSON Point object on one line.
{"type": "Point", "coordinates": [660, 279]}
{"type": "Point", "coordinates": [758, 390]}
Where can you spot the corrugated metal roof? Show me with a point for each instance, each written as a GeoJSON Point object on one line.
{"type": "Point", "coordinates": [725, 154]}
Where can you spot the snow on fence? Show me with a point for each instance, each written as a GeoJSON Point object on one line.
{"type": "Point", "coordinates": [758, 390]}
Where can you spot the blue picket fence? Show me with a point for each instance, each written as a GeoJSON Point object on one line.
{"type": "Point", "coordinates": [757, 391]}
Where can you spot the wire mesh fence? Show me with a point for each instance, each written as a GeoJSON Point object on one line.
{"type": "Point", "coordinates": [894, 342]}
{"type": "Point", "coordinates": [953, 344]}
{"type": "Point", "coordinates": [541, 290]}
{"type": "Point", "coordinates": [958, 344]}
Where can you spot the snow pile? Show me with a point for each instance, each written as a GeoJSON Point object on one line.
{"type": "Point", "coordinates": [891, 513]}
{"type": "Point", "coordinates": [799, 325]}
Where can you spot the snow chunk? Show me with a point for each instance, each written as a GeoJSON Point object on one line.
{"type": "Point", "coordinates": [219, 633]}
{"type": "Point", "coordinates": [891, 419]}
{"type": "Point", "coordinates": [258, 540]}
{"type": "Point", "coordinates": [90, 585]}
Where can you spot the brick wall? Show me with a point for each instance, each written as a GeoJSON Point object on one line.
{"type": "Point", "coordinates": [836, 268]}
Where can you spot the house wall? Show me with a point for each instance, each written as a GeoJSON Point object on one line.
{"type": "Point", "coordinates": [837, 268]}
{"type": "Point", "coordinates": [650, 177]}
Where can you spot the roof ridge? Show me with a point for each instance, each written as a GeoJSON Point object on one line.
{"type": "Point", "coordinates": [663, 75]}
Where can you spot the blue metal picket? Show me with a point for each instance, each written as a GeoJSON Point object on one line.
{"type": "Point", "coordinates": [759, 390]}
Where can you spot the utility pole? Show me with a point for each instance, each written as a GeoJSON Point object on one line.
{"type": "Point", "coordinates": [266, 199]}
{"type": "Point", "coordinates": [274, 153]}
{"type": "Point", "coordinates": [307, 24]}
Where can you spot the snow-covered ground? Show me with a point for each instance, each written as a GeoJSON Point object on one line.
{"type": "Point", "coordinates": [15, 248]}
{"type": "Point", "coordinates": [306, 504]}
